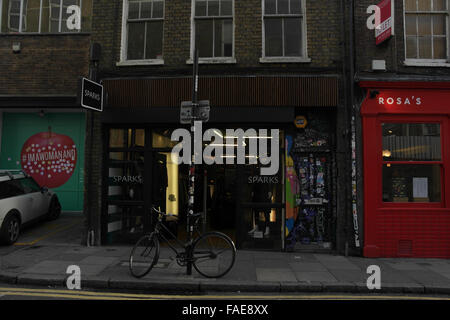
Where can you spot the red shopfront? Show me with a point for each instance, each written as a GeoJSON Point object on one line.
{"type": "Point", "coordinates": [406, 137]}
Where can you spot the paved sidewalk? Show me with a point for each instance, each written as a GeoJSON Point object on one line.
{"type": "Point", "coordinates": [254, 271]}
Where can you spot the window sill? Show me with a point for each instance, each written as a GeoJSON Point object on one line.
{"type": "Point", "coordinates": [43, 34]}
{"type": "Point", "coordinates": [284, 60]}
{"type": "Point", "coordinates": [213, 61]}
{"type": "Point", "coordinates": [151, 62]}
{"type": "Point", "coordinates": [427, 63]}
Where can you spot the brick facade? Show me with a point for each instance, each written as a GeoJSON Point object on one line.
{"type": "Point", "coordinates": [325, 40]}
{"type": "Point", "coordinates": [323, 29]}
{"type": "Point", "coordinates": [46, 65]}
{"type": "Point", "coordinates": [392, 50]}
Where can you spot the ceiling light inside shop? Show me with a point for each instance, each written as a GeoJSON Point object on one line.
{"type": "Point", "coordinates": [386, 153]}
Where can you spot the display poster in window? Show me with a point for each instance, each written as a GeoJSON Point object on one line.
{"type": "Point", "coordinates": [420, 189]}
{"type": "Point", "coordinates": [399, 189]}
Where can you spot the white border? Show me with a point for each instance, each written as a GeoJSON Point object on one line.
{"type": "Point", "coordinates": [427, 62]}
{"type": "Point", "coordinates": [393, 17]}
{"type": "Point", "coordinates": [123, 62]}
{"type": "Point", "coordinates": [211, 60]}
{"type": "Point", "coordinates": [300, 59]}
{"type": "Point", "coordinates": [1, 14]}
{"type": "Point", "coordinates": [82, 95]}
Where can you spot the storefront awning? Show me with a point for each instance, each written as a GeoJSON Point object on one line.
{"type": "Point", "coordinates": [218, 115]}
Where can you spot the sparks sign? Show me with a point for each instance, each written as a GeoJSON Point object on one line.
{"type": "Point", "coordinates": [381, 20]}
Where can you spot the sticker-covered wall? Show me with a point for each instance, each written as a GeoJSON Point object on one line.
{"type": "Point", "coordinates": [50, 148]}
{"type": "Point", "coordinates": [309, 213]}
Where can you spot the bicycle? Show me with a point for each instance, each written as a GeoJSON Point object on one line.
{"type": "Point", "coordinates": [212, 254]}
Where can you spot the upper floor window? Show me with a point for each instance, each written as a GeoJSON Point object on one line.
{"type": "Point", "coordinates": [426, 30]}
{"type": "Point", "coordinates": [144, 22]}
{"type": "Point", "coordinates": [45, 16]}
{"type": "Point", "coordinates": [14, 17]}
{"type": "Point", "coordinates": [213, 28]}
{"type": "Point", "coordinates": [284, 28]}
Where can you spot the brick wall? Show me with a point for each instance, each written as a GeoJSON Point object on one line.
{"type": "Point", "coordinates": [392, 50]}
{"type": "Point", "coordinates": [46, 65]}
{"type": "Point", "coordinates": [324, 47]}
{"type": "Point", "coordinates": [323, 29]}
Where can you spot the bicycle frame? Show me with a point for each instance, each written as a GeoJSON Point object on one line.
{"type": "Point", "coordinates": [160, 226]}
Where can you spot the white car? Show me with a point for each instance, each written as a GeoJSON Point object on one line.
{"type": "Point", "coordinates": [22, 202]}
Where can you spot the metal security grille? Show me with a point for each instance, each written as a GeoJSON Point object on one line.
{"type": "Point", "coordinates": [225, 91]}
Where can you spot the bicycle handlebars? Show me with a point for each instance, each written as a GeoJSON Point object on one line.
{"type": "Point", "coordinates": [198, 214]}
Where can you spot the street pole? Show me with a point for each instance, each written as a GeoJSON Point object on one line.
{"type": "Point", "coordinates": [190, 212]}
{"type": "Point", "coordinates": [93, 71]}
{"type": "Point", "coordinates": [95, 51]}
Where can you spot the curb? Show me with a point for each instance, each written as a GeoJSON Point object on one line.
{"type": "Point", "coordinates": [205, 286]}
{"type": "Point", "coordinates": [8, 278]}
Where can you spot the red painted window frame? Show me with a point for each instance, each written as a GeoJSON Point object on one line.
{"type": "Point", "coordinates": [441, 120]}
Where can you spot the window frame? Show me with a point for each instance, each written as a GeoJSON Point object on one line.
{"type": "Point", "coordinates": [427, 62]}
{"type": "Point", "coordinates": [23, 15]}
{"type": "Point", "coordinates": [123, 60]}
{"type": "Point", "coordinates": [212, 60]}
{"type": "Point", "coordinates": [441, 163]}
{"type": "Point", "coordinates": [304, 40]}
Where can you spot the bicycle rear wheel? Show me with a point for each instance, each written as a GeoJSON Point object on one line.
{"type": "Point", "coordinates": [214, 254]}
{"type": "Point", "coordinates": [144, 255]}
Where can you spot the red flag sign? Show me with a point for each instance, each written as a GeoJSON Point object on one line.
{"type": "Point", "coordinates": [383, 31]}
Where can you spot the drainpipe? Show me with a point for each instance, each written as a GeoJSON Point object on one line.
{"type": "Point", "coordinates": [353, 116]}
{"type": "Point", "coordinates": [348, 71]}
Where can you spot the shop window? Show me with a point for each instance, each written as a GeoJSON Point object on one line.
{"type": "Point", "coordinates": [213, 25]}
{"type": "Point", "coordinates": [117, 138]}
{"type": "Point", "coordinates": [161, 138]}
{"type": "Point", "coordinates": [125, 185]}
{"type": "Point", "coordinates": [412, 162]}
{"type": "Point", "coordinates": [426, 29]}
{"type": "Point", "coordinates": [144, 30]}
{"type": "Point", "coordinates": [43, 16]}
{"type": "Point", "coordinates": [126, 138]}
{"type": "Point", "coordinates": [284, 28]}
{"type": "Point", "coordinates": [411, 183]}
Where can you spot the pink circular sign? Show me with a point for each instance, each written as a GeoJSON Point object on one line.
{"type": "Point", "coordinates": [50, 158]}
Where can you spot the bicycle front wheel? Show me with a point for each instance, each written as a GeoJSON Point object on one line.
{"type": "Point", "coordinates": [144, 255]}
{"type": "Point", "coordinates": [213, 254]}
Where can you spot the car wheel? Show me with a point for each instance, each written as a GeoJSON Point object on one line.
{"type": "Point", "coordinates": [54, 210]}
{"type": "Point", "coordinates": [10, 230]}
